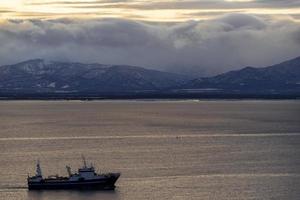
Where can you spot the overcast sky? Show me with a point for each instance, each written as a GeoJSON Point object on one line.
{"type": "Point", "coordinates": [203, 37]}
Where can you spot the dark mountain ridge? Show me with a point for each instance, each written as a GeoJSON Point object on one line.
{"type": "Point", "coordinates": [283, 77]}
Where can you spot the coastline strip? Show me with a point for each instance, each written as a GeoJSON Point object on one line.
{"type": "Point", "coordinates": [149, 136]}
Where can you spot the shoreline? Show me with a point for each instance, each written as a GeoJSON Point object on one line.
{"type": "Point", "coordinates": [150, 98]}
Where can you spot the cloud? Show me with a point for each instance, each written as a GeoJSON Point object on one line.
{"type": "Point", "coordinates": [193, 47]}
{"type": "Point", "coordinates": [147, 10]}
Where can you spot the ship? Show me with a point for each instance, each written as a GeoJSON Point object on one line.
{"type": "Point", "coordinates": [85, 179]}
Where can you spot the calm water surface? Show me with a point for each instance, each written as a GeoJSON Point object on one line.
{"type": "Point", "coordinates": [164, 149]}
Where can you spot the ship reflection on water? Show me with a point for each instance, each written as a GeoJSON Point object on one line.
{"type": "Point", "coordinates": [73, 194]}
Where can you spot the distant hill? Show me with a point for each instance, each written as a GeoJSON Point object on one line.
{"type": "Point", "coordinates": [279, 78]}
{"type": "Point", "coordinates": [39, 76]}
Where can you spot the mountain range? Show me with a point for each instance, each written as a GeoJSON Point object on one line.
{"type": "Point", "coordinates": [279, 78]}
{"type": "Point", "coordinates": [34, 77]}
{"type": "Point", "coordinates": [39, 76]}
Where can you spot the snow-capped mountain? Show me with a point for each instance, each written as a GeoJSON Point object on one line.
{"type": "Point", "coordinates": [60, 77]}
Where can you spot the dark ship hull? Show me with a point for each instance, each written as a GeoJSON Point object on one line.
{"type": "Point", "coordinates": [105, 183]}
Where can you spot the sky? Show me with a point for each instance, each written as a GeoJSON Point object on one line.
{"type": "Point", "coordinates": [203, 37]}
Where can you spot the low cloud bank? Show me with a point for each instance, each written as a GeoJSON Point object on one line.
{"type": "Point", "coordinates": [200, 48]}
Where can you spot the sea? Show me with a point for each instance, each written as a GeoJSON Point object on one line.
{"type": "Point", "coordinates": [173, 150]}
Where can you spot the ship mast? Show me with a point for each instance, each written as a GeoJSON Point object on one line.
{"type": "Point", "coordinates": [69, 170]}
{"type": "Point", "coordinates": [84, 161]}
{"type": "Point", "coordinates": [38, 169]}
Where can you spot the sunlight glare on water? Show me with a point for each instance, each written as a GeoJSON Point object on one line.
{"type": "Point", "coordinates": [164, 149]}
